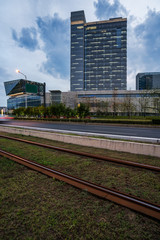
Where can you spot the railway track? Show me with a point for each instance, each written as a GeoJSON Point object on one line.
{"type": "Point", "coordinates": [94, 156]}
{"type": "Point", "coordinates": [120, 198]}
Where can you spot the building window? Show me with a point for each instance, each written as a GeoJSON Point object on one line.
{"type": "Point", "coordinates": [79, 27]}
{"type": "Point", "coordinates": [118, 38]}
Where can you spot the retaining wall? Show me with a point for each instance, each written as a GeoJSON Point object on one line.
{"type": "Point", "coordinates": [116, 145]}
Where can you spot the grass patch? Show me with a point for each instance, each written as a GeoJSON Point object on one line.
{"type": "Point", "coordinates": [34, 206]}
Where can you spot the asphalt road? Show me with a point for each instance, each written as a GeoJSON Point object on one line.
{"type": "Point", "coordinates": [147, 132]}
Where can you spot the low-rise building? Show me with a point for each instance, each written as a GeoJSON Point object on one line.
{"type": "Point", "coordinates": [119, 102]}
{"type": "Point", "coordinates": [24, 93]}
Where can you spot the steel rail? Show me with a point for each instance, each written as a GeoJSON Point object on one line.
{"type": "Point", "coordinates": [120, 198]}
{"type": "Point", "coordinates": [94, 156]}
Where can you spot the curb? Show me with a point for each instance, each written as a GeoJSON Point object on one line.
{"type": "Point", "coordinates": [115, 145]}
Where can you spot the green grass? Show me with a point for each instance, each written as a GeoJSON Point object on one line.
{"type": "Point", "coordinates": [34, 206]}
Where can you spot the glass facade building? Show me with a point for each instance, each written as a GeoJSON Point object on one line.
{"type": "Point", "coordinates": [98, 54]}
{"type": "Point", "coordinates": [147, 81]}
{"type": "Point", "coordinates": [77, 50]}
{"type": "Point", "coordinates": [24, 93]}
{"type": "Point", "coordinates": [24, 101]}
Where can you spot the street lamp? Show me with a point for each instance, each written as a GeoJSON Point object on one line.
{"type": "Point", "coordinates": [18, 71]}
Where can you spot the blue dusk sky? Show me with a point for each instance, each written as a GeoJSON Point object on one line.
{"type": "Point", "coordinates": [35, 38]}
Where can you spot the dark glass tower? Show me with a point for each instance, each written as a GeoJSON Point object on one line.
{"type": "Point", "coordinates": [98, 53]}
{"type": "Point", "coordinates": [77, 50]}
{"type": "Point", "coordinates": [148, 80]}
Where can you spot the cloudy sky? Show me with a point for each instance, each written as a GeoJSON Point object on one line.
{"type": "Point", "coordinates": [35, 38]}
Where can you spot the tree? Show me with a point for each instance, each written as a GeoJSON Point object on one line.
{"type": "Point", "coordinates": [156, 100]}
{"type": "Point", "coordinates": [128, 106]}
{"type": "Point", "coordinates": [102, 108]}
{"type": "Point", "coordinates": [70, 112]}
{"type": "Point", "coordinates": [115, 103]}
{"type": "Point", "coordinates": [57, 110]}
{"type": "Point", "coordinates": [28, 111]}
{"type": "Point", "coordinates": [19, 111]}
{"type": "Point", "coordinates": [41, 110]}
{"type": "Point", "coordinates": [150, 102]}
{"type": "Point", "coordinates": [35, 111]}
{"type": "Point", "coordinates": [144, 101]}
{"type": "Point", "coordinates": [82, 110]}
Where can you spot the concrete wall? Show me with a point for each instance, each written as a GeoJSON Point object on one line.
{"type": "Point", "coordinates": [124, 146]}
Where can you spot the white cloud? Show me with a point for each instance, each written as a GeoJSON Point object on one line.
{"type": "Point", "coordinates": [19, 14]}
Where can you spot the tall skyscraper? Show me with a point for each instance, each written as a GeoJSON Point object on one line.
{"type": "Point", "coordinates": [98, 53]}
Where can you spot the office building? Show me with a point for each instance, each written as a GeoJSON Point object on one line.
{"type": "Point", "coordinates": [121, 102]}
{"type": "Point", "coordinates": [24, 93]}
{"type": "Point", "coordinates": [55, 97]}
{"type": "Point", "coordinates": [147, 81]}
{"type": "Point", "coordinates": [98, 53]}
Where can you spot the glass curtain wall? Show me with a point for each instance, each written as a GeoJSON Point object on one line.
{"type": "Point", "coordinates": [98, 54]}
{"type": "Point", "coordinates": [24, 101]}
{"type": "Point", "coordinates": [77, 50]}
{"type": "Point", "coordinates": [105, 56]}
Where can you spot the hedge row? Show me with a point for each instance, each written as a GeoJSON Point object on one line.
{"type": "Point", "coordinates": [156, 121]}
{"type": "Point", "coordinates": [120, 121]}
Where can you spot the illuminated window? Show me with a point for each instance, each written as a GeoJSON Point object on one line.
{"type": "Point", "coordinates": [90, 63]}
{"type": "Point", "coordinates": [97, 59]}
{"type": "Point", "coordinates": [79, 27]}
{"type": "Point", "coordinates": [99, 38]}
{"type": "Point", "coordinates": [98, 51]}
{"type": "Point", "coordinates": [90, 28]}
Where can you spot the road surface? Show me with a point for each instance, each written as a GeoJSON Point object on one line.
{"type": "Point", "coordinates": [142, 132]}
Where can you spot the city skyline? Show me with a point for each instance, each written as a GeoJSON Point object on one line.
{"type": "Point", "coordinates": [36, 38]}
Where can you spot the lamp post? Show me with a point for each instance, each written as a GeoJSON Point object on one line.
{"type": "Point", "coordinates": [44, 97]}
{"type": "Point", "coordinates": [18, 71]}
